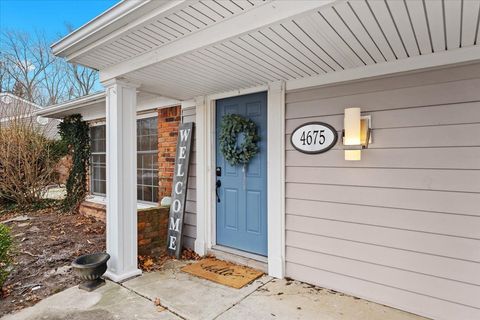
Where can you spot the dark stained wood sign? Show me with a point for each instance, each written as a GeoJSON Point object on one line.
{"type": "Point", "coordinates": [314, 137]}
{"type": "Point", "coordinates": [179, 192]}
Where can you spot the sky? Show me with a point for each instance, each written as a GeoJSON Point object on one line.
{"type": "Point", "coordinates": [49, 16]}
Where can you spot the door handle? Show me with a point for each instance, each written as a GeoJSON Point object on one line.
{"type": "Point", "coordinates": [218, 185]}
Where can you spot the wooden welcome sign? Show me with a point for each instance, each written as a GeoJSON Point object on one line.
{"type": "Point", "coordinates": [179, 192]}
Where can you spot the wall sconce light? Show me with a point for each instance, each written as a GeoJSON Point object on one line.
{"type": "Point", "coordinates": [356, 135]}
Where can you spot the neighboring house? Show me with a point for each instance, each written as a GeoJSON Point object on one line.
{"type": "Point", "coordinates": [400, 227]}
{"type": "Point", "coordinates": [13, 108]}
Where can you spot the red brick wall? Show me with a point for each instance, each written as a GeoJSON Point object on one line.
{"type": "Point", "coordinates": [152, 231]}
{"type": "Point", "coordinates": [151, 224]}
{"type": "Point", "coordinates": [168, 121]}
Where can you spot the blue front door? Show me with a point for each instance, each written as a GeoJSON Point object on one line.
{"type": "Point", "coordinates": [242, 196]}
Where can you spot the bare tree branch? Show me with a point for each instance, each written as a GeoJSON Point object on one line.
{"type": "Point", "coordinates": [28, 68]}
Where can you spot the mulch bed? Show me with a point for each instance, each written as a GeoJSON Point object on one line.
{"type": "Point", "coordinates": [45, 245]}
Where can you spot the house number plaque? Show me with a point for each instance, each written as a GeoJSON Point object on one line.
{"type": "Point", "coordinates": [314, 137]}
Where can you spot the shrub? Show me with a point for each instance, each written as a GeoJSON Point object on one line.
{"type": "Point", "coordinates": [5, 252]}
{"type": "Point", "coordinates": [27, 160]}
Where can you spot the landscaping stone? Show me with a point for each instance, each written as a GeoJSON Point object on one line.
{"type": "Point", "coordinates": [62, 270]}
{"type": "Point", "coordinates": [16, 219]}
{"type": "Point", "coordinates": [23, 225]}
{"type": "Point", "coordinates": [34, 229]}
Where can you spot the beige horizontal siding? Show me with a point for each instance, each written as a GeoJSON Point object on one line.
{"type": "Point", "coordinates": [461, 158]}
{"type": "Point", "coordinates": [399, 218]}
{"type": "Point", "coordinates": [190, 219]}
{"type": "Point", "coordinates": [435, 94]}
{"type": "Point", "coordinates": [401, 226]}
{"type": "Point", "coordinates": [422, 242]}
{"type": "Point", "coordinates": [433, 179]}
{"type": "Point", "coordinates": [424, 200]}
{"type": "Point", "coordinates": [387, 83]}
{"type": "Point", "coordinates": [434, 265]}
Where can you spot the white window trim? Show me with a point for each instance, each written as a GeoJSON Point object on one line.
{"type": "Point", "coordinates": [99, 198]}
{"type": "Point", "coordinates": [97, 124]}
{"type": "Point", "coordinates": [147, 115]}
{"type": "Point", "coordinates": [103, 201]}
{"type": "Point", "coordinates": [205, 159]}
{"type": "Point", "coordinates": [140, 117]}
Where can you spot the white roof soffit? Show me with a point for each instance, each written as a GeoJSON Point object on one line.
{"type": "Point", "coordinates": [202, 47]}
{"type": "Point", "coordinates": [109, 22]}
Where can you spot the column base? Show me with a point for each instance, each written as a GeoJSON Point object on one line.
{"type": "Point", "coordinates": [122, 277]}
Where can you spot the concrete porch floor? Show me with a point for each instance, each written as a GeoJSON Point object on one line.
{"type": "Point", "coordinates": [188, 297]}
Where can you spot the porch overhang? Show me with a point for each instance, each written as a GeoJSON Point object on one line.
{"type": "Point", "coordinates": [185, 49]}
{"type": "Point", "coordinates": [92, 107]}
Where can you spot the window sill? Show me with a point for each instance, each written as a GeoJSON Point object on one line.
{"type": "Point", "coordinates": [103, 200]}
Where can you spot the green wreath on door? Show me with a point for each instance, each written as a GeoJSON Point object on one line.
{"type": "Point", "coordinates": [231, 127]}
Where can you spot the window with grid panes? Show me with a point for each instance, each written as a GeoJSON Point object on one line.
{"type": "Point", "coordinates": [147, 159]}
{"type": "Point", "coordinates": [98, 173]}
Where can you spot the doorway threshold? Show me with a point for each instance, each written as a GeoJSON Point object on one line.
{"type": "Point", "coordinates": [248, 259]}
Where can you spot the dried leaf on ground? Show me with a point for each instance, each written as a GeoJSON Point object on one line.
{"type": "Point", "coordinates": [158, 305]}
{"type": "Point", "coordinates": [189, 254]}
{"type": "Point", "coordinates": [146, 263]}
{"type": "Point", "coordinates": [149, 263]}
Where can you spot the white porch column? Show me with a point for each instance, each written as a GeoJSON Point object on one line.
{"type": "Point", "coordinates": [121, 180]}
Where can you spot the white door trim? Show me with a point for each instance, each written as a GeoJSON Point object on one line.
{"type": "Point", "coordinates": [276, 179]}
{"type": "Point", "coordinates": [205, 159]}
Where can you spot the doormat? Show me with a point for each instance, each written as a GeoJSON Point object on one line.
{"type": "Point", "coordinates": [223, 272]}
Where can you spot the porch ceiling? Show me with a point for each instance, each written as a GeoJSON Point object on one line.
{"type": "Point", "coordinates": [347, 34]}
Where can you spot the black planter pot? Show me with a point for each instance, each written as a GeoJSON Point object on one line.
{"type": "Point", "coordinates": [90, 268]}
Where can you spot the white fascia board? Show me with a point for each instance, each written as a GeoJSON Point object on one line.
{"type": "Point", "coordinates": [53, 111]}
{"type": "Point", "coordinates": [111, 22]}
{"type": "Point", "coordinates": [156, 103]}
{"type": "Point", "coordinates": [263, 16]}
{"type": "Point", "coordinates": [430, 61]}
